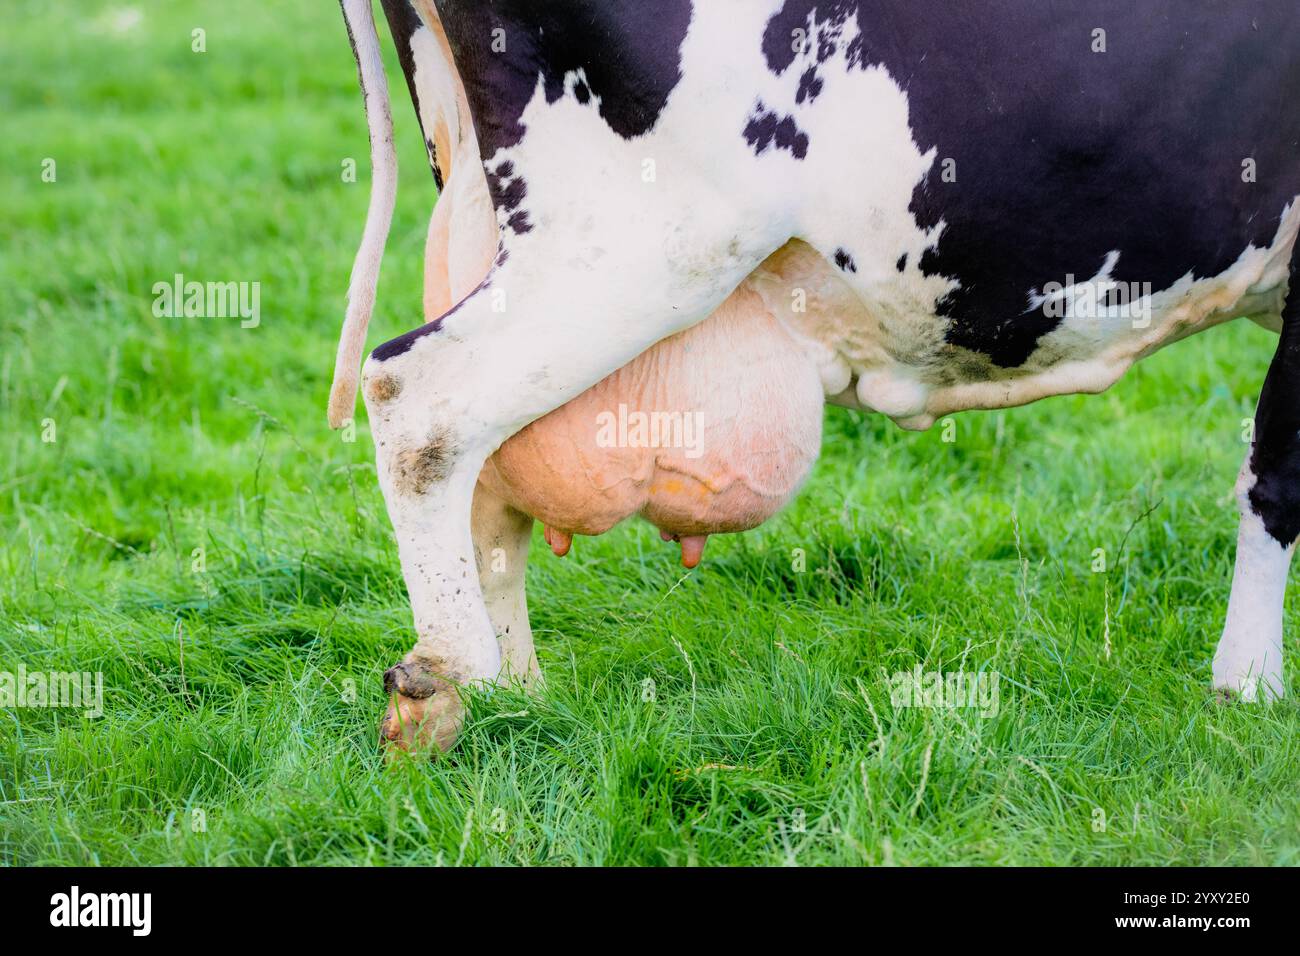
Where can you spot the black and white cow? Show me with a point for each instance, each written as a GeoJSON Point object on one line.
{"type": "Point", "coordinates": [997, 201]}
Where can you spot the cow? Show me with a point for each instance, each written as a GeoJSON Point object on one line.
{"type": "Point", "coordinates": [910, 209]}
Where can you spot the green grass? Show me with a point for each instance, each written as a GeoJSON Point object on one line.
{"type": "Point", "coordinates": [250, 690]}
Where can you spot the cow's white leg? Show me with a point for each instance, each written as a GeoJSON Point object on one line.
{"type": "Point", "coordinates": [444, 396]}
{"type": "Point", "coordinates": [501, 539]}
{"type": "Point", "coordinates": [459, 250]}
{"type": "Point", "coordinates": [1248, 660]}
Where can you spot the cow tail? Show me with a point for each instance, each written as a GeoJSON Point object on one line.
{"type": "Point", "coordinates": [360, 22]}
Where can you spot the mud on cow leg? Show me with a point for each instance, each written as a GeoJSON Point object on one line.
{"type": "Point", "coordinates": [1249, 657]}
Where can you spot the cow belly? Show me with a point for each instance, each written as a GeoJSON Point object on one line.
{"type": "Point", "coordinates": [711, 430]}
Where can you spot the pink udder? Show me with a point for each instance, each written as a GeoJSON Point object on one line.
{"type": "Point", "coordinates": [711, 430]}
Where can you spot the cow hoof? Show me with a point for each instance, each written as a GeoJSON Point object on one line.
{"type": "Point", "coordinates": [1248, 690]}
{"type": "Point", "coordinates": [425, 711]}
{"type": "Point", "coordinates": [1225, 696]}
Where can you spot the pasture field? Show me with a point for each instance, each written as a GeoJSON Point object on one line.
{"type": "Point", "coordinates": [178, 518]}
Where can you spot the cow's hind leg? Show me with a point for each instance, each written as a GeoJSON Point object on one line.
{"type": "Point", "coordinates": [1249, 657]}
{"type": "Point", "coordinates": [501, 539]}
{"type": "Point", "coordinates": [444, 396]}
